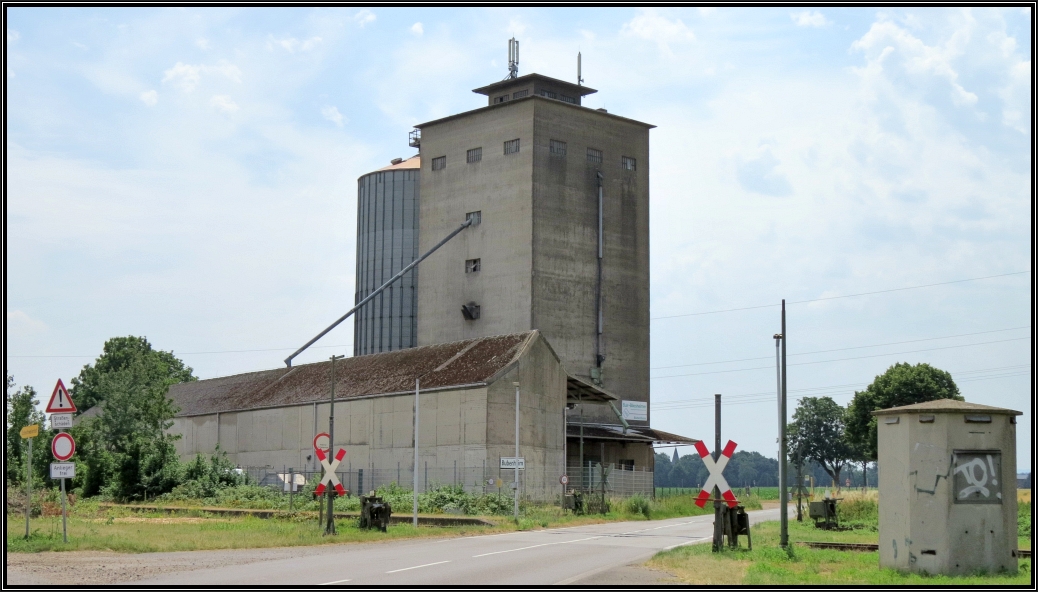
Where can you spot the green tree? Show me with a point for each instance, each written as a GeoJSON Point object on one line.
{"type": "Point", "coordinates": [818, 431]}
{"type": "Point", "coordinates": [21, 411]}
{"type": "Point", "coordinates": [125, 447]}
{"type": "Point", "coordinates": [901, 384]}
{"type": "Point", "coordinates": [120, 353]}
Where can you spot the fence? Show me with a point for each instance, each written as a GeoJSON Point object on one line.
{"type": "Point", "coordinates": [620, 481]}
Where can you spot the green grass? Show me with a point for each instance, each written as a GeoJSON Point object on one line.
{"type": "Point", "coordinates": [770, 565]}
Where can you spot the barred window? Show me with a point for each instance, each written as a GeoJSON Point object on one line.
{"type": "Point", "coordinates": [439, 163]}
{"type": "Point", "coordinates": [548, 93]}
{"type": "Point", "coordinates": [520, 93]}
{"type": "Point", "coordinates": [512, 146]}
{"type": "Point", "coordinates": [557, 148]}
{"type": "Point", "coordinates": [594, 156]}
{"type": "Point", "coordinates": [500, 99]}
{"type": "Point", "coordinates": [471, 265]}
{"type": "Point", "coordinates": [474, 155]}
{"type": "Point", "coordinates": [628, 164]}
{"type": "Point", "coordinates": [568, 99]}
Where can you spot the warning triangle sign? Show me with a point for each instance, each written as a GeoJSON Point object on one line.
{"type": "Point", "coordinates": [60, 401]}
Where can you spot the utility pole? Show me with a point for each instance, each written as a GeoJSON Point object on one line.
{"type": "Point", "coordinates": [783, 508]}
{"type": "Point", "coordinates": [330, 528]}
{"type": "Point", "coordinates": [28, 486]}
{"type": "Point", "coordinates": [717, 455]}
{"type": "Point", "coordinates": [414, 485]}
{"type": "Point", "coordinates": [515, 485]}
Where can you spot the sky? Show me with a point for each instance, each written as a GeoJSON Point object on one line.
{"type": "Point", "coordinates": [189, 175]}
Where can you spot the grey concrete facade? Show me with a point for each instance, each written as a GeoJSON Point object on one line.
{"type": "Point", "coordinates": [939, 512]}
{"type": "Point", "coordinates": [537, 240]}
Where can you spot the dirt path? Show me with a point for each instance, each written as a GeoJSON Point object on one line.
{"type": "Point", "coordinates": [105, 567]}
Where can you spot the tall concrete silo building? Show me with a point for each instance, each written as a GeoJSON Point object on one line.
{"type": "Point", "coordinates": [387, 241]}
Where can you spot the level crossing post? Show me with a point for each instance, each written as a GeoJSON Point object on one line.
{"type": "Point", "coordinates": [717, 456]}
{"type": "Point", "coordinates": [330, 528]}
{"type": "Point", "coordinates": [783, 497]}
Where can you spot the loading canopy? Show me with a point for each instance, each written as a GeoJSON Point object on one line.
{"type": "Point", "coordinates": [578, 391]}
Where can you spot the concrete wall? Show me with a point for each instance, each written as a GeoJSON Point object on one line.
{"type": "Point", "coordinates": [500, 187]}
{"type": "Point", "coordinates": [921, 528]}
{"type": "Point", "coordinates": [538, 238]}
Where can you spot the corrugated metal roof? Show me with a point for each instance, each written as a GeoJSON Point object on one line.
{"type": "Point", "coordinates": [634, 434]}
{"type": "Point", "coordinates": [474, 361]}
{"type": "Point", "coordinates": [946, 406]}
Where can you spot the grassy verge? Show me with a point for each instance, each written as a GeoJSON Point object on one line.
{"type": "Point", "coordinates": [92, 527]}
{"type": "Point", "coordinates": [768, 564]}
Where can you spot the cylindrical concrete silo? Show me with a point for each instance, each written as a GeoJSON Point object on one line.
{"type": "Point", "coordinates": [387, 241]}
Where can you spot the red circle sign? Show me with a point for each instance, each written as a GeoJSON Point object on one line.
{"type": "Point", "coordinates": [327, 438]}
{"type": "Point", "coordinates": [564, 479]}
{"type": "Point", "coordinates": [63, 446]}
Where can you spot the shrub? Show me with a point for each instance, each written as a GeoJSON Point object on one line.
{"type": "Point", "coordinates": [638, 504]}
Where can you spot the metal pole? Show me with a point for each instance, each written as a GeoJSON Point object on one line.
{"type": "Point", "coordinates": [28, 486]}
{"type": "Point", "coordinates": [783, 509]}
{"type": "Point", "coordinates": [330, 528]}
{"type": "Point", "coordinates": [582, 481]}
{"type": "Point", "coordinates": [288, 360]}
{"type": "Point", "coordinates": [717, 455]}
{"type": "Point", "coordinates": [414, 485]}
{"type": "Point", "coordinates": [515, 491]}
{"type": "Point", "coordinates": [598, 286]}
{"type": "Point", "coordinates": [291, 486]}
{"type": "Point", "coordinates": [64, 513]}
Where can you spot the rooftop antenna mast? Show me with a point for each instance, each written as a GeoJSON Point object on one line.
{"type": "Point", "coordinates": [580, 79]}
{"type": "Point", "coordinates": [513, 58]}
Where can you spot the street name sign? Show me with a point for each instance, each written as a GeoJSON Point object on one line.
{"type": "Point", "coordinates": [30, 431]}
{"type": "Point", "coordinates": [512, 462]}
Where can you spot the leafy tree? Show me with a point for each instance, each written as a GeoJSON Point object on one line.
{"type": "Point", "coordinates": [119, 354]}
{"type": "Point", "coordinates": [21, 411]}
{"type": "Point", "coordinates": [818, 431]}
{"type": "Point", "coordinates": [901, 384]}
{"type": "Point", "coordinates": [126, 449]}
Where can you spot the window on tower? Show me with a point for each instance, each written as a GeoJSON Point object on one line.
{"type": "Point", "coordinates": [557, 147]}
{"type": "Point", "coordinates": [628, 164]}
{"type": "Point", "coordinates": [439, 163]}
{"type": "Point", "coordinates": [594, 156]}
{"type": "Point", "coordinates": [471, 265]}
{"type": "Point", "coordinates": [474, 155]}
{"type": "Point", "coordinates": [512, 146]}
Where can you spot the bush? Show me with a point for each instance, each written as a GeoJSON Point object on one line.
{"type": "Point", "coordinates": [860, 511]}
{"type": "Point", "coordinates": [638, 504]}
{"type": "Point", "coordinates": [1023, 519]}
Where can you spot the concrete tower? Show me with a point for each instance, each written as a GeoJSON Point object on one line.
{"type": "Point", "coordinates": [533, 164]}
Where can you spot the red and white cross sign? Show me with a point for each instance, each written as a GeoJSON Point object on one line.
{"type": "Point", "coordinates": [329, 471]}
{"type": "Point", "coordinates": [716, 478]}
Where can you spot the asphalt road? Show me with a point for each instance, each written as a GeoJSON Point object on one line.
{"type": "Point", "coordinates": [542, 557]}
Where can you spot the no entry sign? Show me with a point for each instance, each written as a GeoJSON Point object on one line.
{"type": "Point", "coordinates": [716, 468]}
{"type": "Point", "coordinates": [63, 446]}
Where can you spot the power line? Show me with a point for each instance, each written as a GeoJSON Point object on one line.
{"type": "Point", "coordinates": [843, 359]}
{"type": "Point", "coordinates": [822, 351]}
{"type": "Point", "coordinates": [987, 277]}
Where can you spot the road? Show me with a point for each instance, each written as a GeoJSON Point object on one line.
{"type": "Point", "coordinates": [541, 557]}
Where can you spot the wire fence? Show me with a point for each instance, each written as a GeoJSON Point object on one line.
{"type": "Point", "coordinates": [614, 480]}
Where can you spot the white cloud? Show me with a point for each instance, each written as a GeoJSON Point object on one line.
{"type": "Point", "coordinates": [12, 36]}
{"type": "Point", "coordinates": [224, 103]}
{"type": "Point", "coordinates": [291, 44]}
{"type": "Point", "coordinates": [364, 17]}
{"type": "Point", "coordinates": [20, 322]}
{"type": "Point", "coordinates": [80, 46]}
{"type": "Point", "coordinates": [417, 29]}
{"type": "Point", "coordinates": [150, 97]}
{"type": "Point", "coordinates": [810, 18]}
{"type": "Point", "coordinates": [1016, 96]}
{"type": "Point", "coordinates": [888, 45]}
{"type": "Point", "coordinates": [331, 113]}
{"type": "Point", "coordinates": [187, 76]}
{"type": "Point", "coordinates": [650, 26]}
{"type": "Point", "coordinates": [202, 43]}
{"type": "Point", "coordinates": [707, 10]}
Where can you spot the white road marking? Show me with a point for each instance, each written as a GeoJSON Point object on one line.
{"type": "Point", "coordinates": [335, 582]}
{"type": "Point", "coordinates": [686, 543]}
{"type": "Point", "coordinates": [541, 545]}
{"type": "Point", "coordinates": [417, 566]}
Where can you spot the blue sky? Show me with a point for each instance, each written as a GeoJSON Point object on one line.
{"type": "Point", "coordinates": [189, 175]}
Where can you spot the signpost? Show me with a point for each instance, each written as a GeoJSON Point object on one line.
{"type": "Point", "coordinates": [63, 446]}
{"type": "Point", "coordinates": [29, 432]}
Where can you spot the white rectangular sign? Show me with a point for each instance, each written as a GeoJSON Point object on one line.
{"type": "Point", "coordinates": [510, 462]}
{"type": "Point", "coordinates": [61, 421]}
{"type": "Point", "coordinates": [635, 410]}
{"type": "Point", "coordinates": [62, 470]}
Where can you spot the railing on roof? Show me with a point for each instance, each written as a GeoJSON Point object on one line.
{"type": "Point", "coordinates": [414, 139]}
